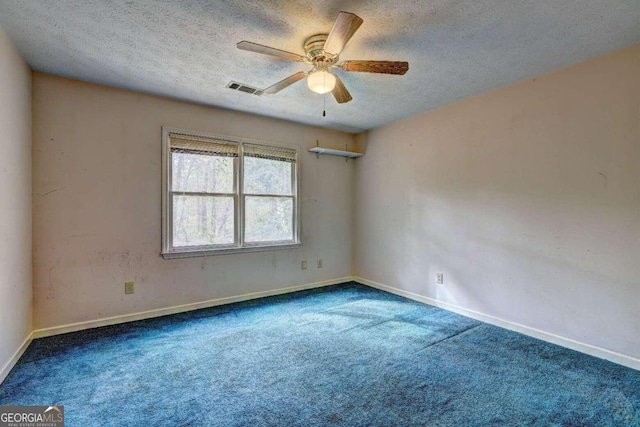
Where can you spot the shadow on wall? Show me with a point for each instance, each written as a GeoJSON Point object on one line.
{"type": "Point", "coordinates": [516, 257]}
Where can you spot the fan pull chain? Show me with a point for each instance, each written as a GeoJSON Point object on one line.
{"type": "Point", "coordinates": [324, 105]}
{"type": "Point", "coordinates": [324, 97]}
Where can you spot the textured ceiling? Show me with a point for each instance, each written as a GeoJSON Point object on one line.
{"type": "Point", "coordinates": [187, 49]}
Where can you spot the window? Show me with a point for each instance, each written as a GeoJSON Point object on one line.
{"type": "Point", "coordinates": [224, 195]}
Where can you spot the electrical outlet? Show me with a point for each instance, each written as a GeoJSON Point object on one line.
{"type": "Point", "coordinates": [303, 265]}
{"type": "Point", "coordinates": [129, 287]}
{"type": "Point", "coordinates": [319, 263]}
{"type": "Point", "coordinates": [439, 278]}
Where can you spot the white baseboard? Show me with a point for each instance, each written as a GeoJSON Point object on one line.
{"type": "Point", "coordinates": [589, 349]}
{"type": "Point", "coordinates": [4, 371]}
{"type": "Point", "coordinates": [73, 327]}
{"type": "Point", "coordinates": [602, 353]}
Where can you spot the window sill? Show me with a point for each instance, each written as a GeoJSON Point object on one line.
{"type": "Point", "coordinates": [210, 252]}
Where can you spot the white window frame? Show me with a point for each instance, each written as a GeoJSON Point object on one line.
{"type": "Point", "coordinates": [169, 251]}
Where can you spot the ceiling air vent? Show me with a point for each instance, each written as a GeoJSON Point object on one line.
{"type": "Point", "coordinates": [244, 88]}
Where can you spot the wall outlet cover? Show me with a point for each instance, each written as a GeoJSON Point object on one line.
{"type": "Point", "coordinates": [303, 265]}
{"type": "Point", "coordinates": [129, 287]}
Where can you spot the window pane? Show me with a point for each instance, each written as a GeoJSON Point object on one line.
{"type": "Point", "coordinates": [268, 219]}
{"type": "Point", "coordinates": [265, 176]}
{"type": "Point", "coordinates": [197, 173]}
{"type": "Point", "coordinates": [202, 220]}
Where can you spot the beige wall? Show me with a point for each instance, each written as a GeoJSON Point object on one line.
{"type": "Point", "coordinates": [527, 198]}
{"type": "Point", "coordinates": [97, 205]}
{"type": "Point", "coordinates": [15, 205]}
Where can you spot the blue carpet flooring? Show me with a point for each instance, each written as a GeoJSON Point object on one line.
{"type": "Point", "coordinates": [345, 355]}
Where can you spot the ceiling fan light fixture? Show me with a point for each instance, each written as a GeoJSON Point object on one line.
{"type": "Point", "coordinates": [321, 81]}
{"type": "Point", "coordinates": [322, 51]}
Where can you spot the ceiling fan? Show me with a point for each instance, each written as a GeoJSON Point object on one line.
{"type": "Point", "coordinates": [322, 51]}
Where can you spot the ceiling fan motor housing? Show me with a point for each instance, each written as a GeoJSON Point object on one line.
{"type": "Point", "coordinates": [314, 48]}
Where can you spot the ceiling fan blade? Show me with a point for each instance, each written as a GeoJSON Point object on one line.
{"type": "Point", "coordinates": [343, 29]}
{"type": "Point", "coordinates": [286, 82]}
{"type": "Point", "coordinates": [340, 92]}
{"type": "Point", "coordinates": [266, 50]}
{"type": "Point", "coordinates": [382, 67]}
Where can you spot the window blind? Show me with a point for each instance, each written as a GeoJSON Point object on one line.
{"type": "Point", "coordinates": [191, 144]}
{"type": "Point", "coordinates": [270, 152]}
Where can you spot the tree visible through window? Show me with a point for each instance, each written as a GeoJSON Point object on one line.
{"type": "Point", "coordinates": [269, 197]}
{"type": "Point", "coordinates": [224, 194]}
